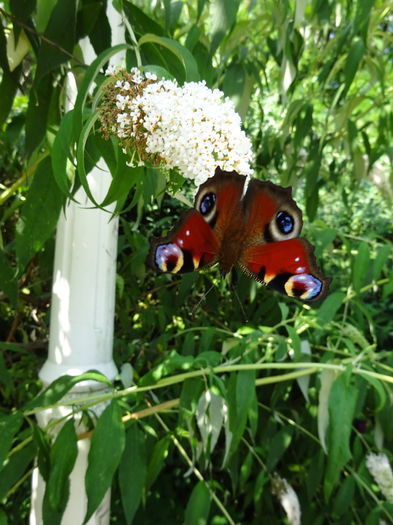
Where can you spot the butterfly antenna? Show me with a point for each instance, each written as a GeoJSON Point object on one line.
{"type": "Point", "coordinates": [202, 299]}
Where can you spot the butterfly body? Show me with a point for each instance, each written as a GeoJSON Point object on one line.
{"type": "Point", "coordinates": [254, 226]}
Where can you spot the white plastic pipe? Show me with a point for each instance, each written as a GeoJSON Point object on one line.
{"type": "Point", "coordinates": [82, 308]}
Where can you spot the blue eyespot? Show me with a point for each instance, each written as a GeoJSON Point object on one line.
{"type": "Point", "coordinates": [207, 204]}
{"type": "Point", "coordinates": [285, 222]}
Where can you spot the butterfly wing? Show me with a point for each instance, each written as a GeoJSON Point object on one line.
{"type": "Point", "coordinates": [288, 267]}
{"type": "Point", "coordinates": [255, 226]}
{"type": "Point", "coordinates": [273, 254]}
{"type": "Point", "coordinates": [190, 246]}
{"type": "Point", "coordinates": [196, 241]}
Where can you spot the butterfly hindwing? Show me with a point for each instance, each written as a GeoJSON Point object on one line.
{"type": "Point", "coordinates": [288, 267]}
{"type": "Point", "coordinates": [190, 246]}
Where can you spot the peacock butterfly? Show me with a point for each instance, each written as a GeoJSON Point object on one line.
{"type": "Point", "coordinates": [254, 226]}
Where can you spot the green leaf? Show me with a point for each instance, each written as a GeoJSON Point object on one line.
{"type": "Point", "coordinates": [39, 214]}
{"type": "Point", "coordinates": [294, 343]}
{"type": "Point", "coordinates": [355, 55]}
{"type": "Point", "coordinates": [37, 113]}
{"type": "Point", "coordinates": [329, 307]}
{"type": "Point", "coordinates": [361, 266]}
{"type": "Point", "coordinates": [41, 439]}
{"type": "Point", "coordinates": [241, 393]}
{"type": "Point", "coordinates": [223, 16]}
{"type": "Point", "coordinates": [191, 391]}
{"type": "Point", "coordinates": [278, 445]}
{"type": "Point", "coordinates": [159, 71]}
{"type": "Point", "coordinates": [8, 89]}
{"type": "Point", "coordinates": [8, 280]}
{"type": "Point", "coordinates": [61, 30]}
{"type": "Point", "coordinates": [80, 155]}
{"type": "Point", "coordinates": [5, 376]}
{"type": "Point", "coordinates": [198, 506]}
{"type": "Point", "coordinates": [383, 254]}
{"type": "Point", "coordinates": [3, 518]}
{"type": "Point", "coordinates": [327, 378]}
{"type": "Point", "coordinates": [181, 52]}
{"type": "Point", "coordinates": [344, 495]}
{"type": "Point", "coordinates": [132, 471]}
{"type": "Point", "coordinates": [123, 180]}
{"type": "Point", "coordinates": [141, 23]}
{"type": "Point", "coordinates": [342, 403]}
{"type": "Point", "coordinates": [56, 390]}
{"type": "Point", "coordinates": [362, 18]}
{"type": "Point", "coordinates": [157, 460]}
{"type": "Point", "coordinates": [237, 86]}
{"type": "Point", "coordinates": [9, 426]}
{"type": "Point", "coordinates": [93, 22]}
{"type": "Point", "coordinates": [61, 151]}
{"type": "Point", "coordinates": [16, 466]}
{"type": "Point", "coordinates": [379, 391]}
{"type": "Point", "coordinates": [62, 459]}
{"type": "Point", "coordinates": [106, 449]}
{"type": "Point", "coordinates": [172, 13]}
{"type": "Point", "coordinates": [173, 362]}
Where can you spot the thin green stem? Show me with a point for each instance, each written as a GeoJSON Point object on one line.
{"type": "Point", "coordinates": [304, 367]}
{"type": "Point", "coordinates": [284, 377]}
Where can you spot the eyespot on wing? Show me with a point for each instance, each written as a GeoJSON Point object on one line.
{"type": "Point", "coordinates": [305, 286]}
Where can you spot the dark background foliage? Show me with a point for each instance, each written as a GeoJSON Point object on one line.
{"type": "Point", "coordinates": [313, 84]}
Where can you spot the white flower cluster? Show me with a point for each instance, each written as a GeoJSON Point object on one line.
{"type": "Point", "coordinates": [381, 471]}
{"type": "Point", "coordinates": [191, 128]}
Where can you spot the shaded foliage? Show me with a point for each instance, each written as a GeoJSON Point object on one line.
{"type": "Point", "coordinates": [222, 404]}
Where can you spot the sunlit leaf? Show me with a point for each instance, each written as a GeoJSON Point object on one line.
{"type": "Point", "coordinates": [361, 266]}
{"type": "Point", "coordinates": [182, 53]}
{"type": "Point", "coordinates": [343, 394]}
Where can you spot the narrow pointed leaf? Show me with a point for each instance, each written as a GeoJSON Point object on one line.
{"type": "Point", "coordinates": [9, 426]}
{"type": "Point", "coordinates": [132, 472]}
{"type": "Point", "coordinates": [38, 219]}
{"type": "Point", "coordinates": [62, 459]}
{"type": "Point", "coordinates": [361, 266]}
{"type": "Point", "coordinates": [342, 402]}
{"type": "Point", "coordinates": [106, 449]}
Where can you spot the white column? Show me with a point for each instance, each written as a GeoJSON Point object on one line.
{"type": "Point", "coordinates": [83, 293]}
{"type": "Point", "coordinates": [82, 308]}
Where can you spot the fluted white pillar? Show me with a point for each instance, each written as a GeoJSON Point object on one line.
{"type": "Point", "coordinates": [83, 293]}
{"type": "Point", "coordinates": [82, 308]}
